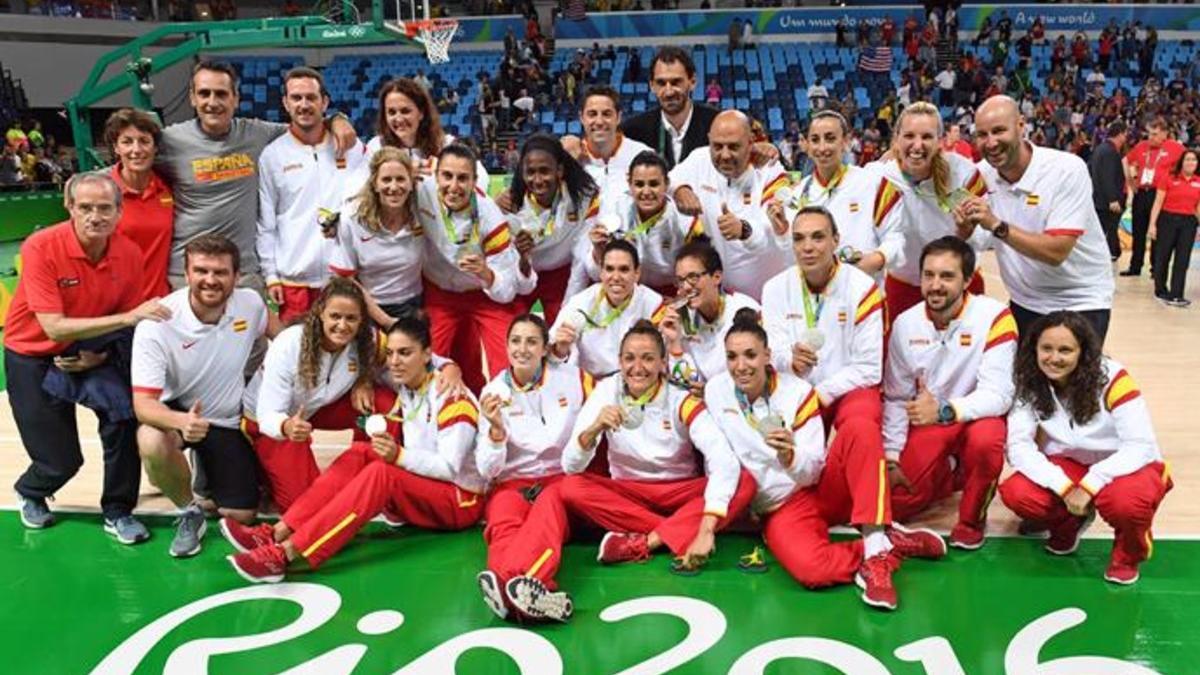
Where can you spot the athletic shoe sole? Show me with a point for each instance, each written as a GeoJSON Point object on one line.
{"type": "Point", "coordinates": [493, 596]}
{"type": "Point", "coordinates": [531, 598]}
{"type": "Point", "coordinates": [965, 546]}
{"type": "Point", "coordinates": [270, 579]}
{"type": "Point", "coordinates": [603, 542]}
{"type": "Point", "coordinates": [878, 604]}
{"type": "Point", "coordinates": [921, 530]}
{"type": "Point", "coordinates": [28, 523]}
{"type": "Point", "coordinates": [111, 529]}
{"type": "Point", "coordinates": [199, 543]}
{"type": "Point", "coordinates": [1122, 582]}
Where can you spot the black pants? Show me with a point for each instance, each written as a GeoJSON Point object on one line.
{"type": "Point", "coordinates": [48, 431]}
{"type": "Point", "coordinates": [1025, 318]}
{"type": "Point", "coordinates": [408, 308]}
{"type": "Point", "coordinates": [1110, 222]}
{"type": "Point", "coordinates": [1176, 236]}
{"type": "Point", "coordinates": [1143, 202]}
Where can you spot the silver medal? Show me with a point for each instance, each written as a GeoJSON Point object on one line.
{"type": "Point", "coordinates": [633, 417]}
{"type": "Point", "coordinates": [814, 338]}
{"type": "Point", "coordinates": [770, 423]}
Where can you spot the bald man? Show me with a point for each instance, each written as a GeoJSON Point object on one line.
{"type": "Point", "coordinates": [1040, 220]}
{"type": "Point", "coordinates": [729, 197]}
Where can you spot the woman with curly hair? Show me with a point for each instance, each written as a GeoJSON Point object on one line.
{"type": "Point", "coordinates": [1081, 441]}
{"type": "Point", "coordinates": [318, 374]}
{"type": "Point", "coordinates": [409, 120]}
{"type": "Point", "coordinates": [419, 466]}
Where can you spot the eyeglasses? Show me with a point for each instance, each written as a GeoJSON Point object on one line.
{"type": "Point", "coordinates": [690, 279]}
{"type": "Point", "coordinates": [98, 209]}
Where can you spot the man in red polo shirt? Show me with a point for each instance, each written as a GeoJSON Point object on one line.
{"type": "Point", "coordinates": [1145, 162]}
{"type": "Point", "coordinates": [80, 281]}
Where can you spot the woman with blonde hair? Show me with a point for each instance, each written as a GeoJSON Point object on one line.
{"type": "Point", "coordinates": [380, 239]}
{"type": "Point", "coordinates": [934, 182]}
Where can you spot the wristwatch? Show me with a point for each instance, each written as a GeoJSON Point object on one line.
{"type": "Point", "coordinates": [1000, 231]}
{"type": "Point", "coordinates": [946, 413]}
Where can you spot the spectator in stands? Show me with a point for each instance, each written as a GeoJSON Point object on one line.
{"type": "Point", "coordinates": [713, 92]}
{"type": "Point", "coordinates": [147, 206]}
{"type": "Point", "coordinates": [1108, 184]}
{"type": "Point", "coordinates": [1108, 41]}
{"type": "Point", "coordinates": [747, 34]}
{"type": "Point", "coordinates": [1038, 31]}
{"type": "Point", "coordinates": [945, 81]}
{"type": "Point", "coordinates": [677, 125]}
{"type": "Point", "coordinates": [818, 95]}
{"type": "Point", "coordinates": [735, 34]}
{"type": "Point", "coordinates": [1149, 47]}
{"type": "Point", "coordinates": [1095, 81]}
{"type": "Point", "coordinates": [840, 30]}
{"type": "Point", "coordinates": [912, 48]}
{"type": "Point", "coordinates": [10, 168]}
{"type": "Point", "coordinates": [1004, 26]}
{"type": "Point", "coordinates": [78, 296]}
{"type": "Point", "coordinates": [1173, 225]}
{"type": "Point", "coordinates": [16, 138]}
{"type": "Point", "coordinates": [887, 31]}
{"type": "Point", "coordinates": [929, 41]}
{"type": "Point", "coordinates": [525, 109]}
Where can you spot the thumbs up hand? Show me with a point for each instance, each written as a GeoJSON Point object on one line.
{"type": "Point", "coordinates": [296, 428]}
{"type": "Point", "coordinates": [729, 224]}
{"type": "Point", "coordinates": [195, 427]}
{"type": "Point", "coordinates": [923, 409]}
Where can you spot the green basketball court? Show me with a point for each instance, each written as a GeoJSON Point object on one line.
{"type": "Point", "coordinates": [406, 602]}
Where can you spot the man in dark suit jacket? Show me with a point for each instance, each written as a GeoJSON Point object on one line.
{"type": "Point", "coordinates": [677, 125]}
{"type": "Point", "coordinates": [1108, 183]}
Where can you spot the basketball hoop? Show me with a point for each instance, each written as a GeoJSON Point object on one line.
{"type": "Point", "coordinates": [435, 35]}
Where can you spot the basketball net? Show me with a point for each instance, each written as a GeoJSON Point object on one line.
{"type": "Point", "coordinates": [435, 35]}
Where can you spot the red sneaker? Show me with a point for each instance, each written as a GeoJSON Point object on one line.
{"type": "Point", "coordinates": [263, 565]}
{"type": "Point", "coordinates": [916, 543]}
{"type": "Point", "coordinates": [619, 547]}
{"type": "Point", "coordinates": [874, 577]}
{"type": "Point", "coordinates": [966, 537]}
{"type": "Point", "coordinates": [1125, 575]}
{"type": "Point", "coordinates": [246, 538]}
{"type": "Point", "coordinates": [1064, 538]}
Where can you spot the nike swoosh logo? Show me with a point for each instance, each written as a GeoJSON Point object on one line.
{"type": "Point", "coordinates": [189, 345]}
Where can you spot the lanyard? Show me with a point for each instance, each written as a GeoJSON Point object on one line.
{"type": "Point", "coordinates": [747, 408]}
{"type": "Point", "coordinates": [811, 316]}
{"type": "Point", "coordinates": [693, 327]}
{"type": "Point", "coordinates": [612, 315]}
{"type": "Point", "coordinates": [548, 228]}
{"type": "Point", "coordinates": [530, 387]}
{"type": "Point", "coordinates": [452, 231]}
{"type": "Point", "coordinates": [827, 191]}
{"type": "Point", "coordinates": [641, 227]}
{"type": "Point", "coordinates": [421, 394]}
{"type": "Point", "coordinates": [641, 401]}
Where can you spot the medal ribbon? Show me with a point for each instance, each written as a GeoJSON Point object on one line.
{"type": "Point", "coordinates": [612, 315]}
{"type": "Point", "coordinates": [744, 403]}
{"type": "Point", "coordinates": [452, 231]}
{"type": "Point", "coordinates": [693, 327]}
{"type": "Point", "coordinates": [548, 228]}
{"type": "Point", "coordinates": [827, 191]}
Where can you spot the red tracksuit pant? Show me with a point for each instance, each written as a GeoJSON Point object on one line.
{"type": "Point", "coordinates": [358, 486]}
{"type": "Point", "coordinates": [860, 404]}
{"type": "Point", "coordinates": [289, 467]}
{"type": "Point", "coordinates": [551, 289]}
{"type": "Point", "coordinates": [853, 488]}
{"type": "Point", "coordinates": [458, 322]}
{"type": "Point", "coordinates": [673, 509]}
{"type": "Point", "coordinates": [505, 513]}
{"type": "Point", "coordinates": [1127, 504]}
{"type": "Point", "coordinates": [979, 448]}
{"type": "Point", "coordinates": [296, 302]}
{"type": "Point", "coordinates": [899, 296]}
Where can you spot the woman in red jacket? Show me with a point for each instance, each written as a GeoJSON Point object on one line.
{"type": "Point", "coordinates": [1173, 226]}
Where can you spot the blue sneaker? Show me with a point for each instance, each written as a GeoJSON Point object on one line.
{"type": "Point", "coordinates": [34, 513]}
{"type": "Point", "coordinates": [126, 529]}
{"type": "Point", "coordinates": [191, 526]}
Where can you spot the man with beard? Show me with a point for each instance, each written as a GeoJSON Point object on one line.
{"type": "Point", "coordinates": [947, 387]}
{"type": "Point", "coordinates": [1039, 217]}
{"type": "Point", "coordinates": [211, 164]}
{"type": "Point", "coordinates": [299, 193]}
{"type": "Point", "coordinates": [678, 125]}
{"type": "Point", "coordinates": [731, 197]}
{"type": "Point", "coordinates": [187, 390]}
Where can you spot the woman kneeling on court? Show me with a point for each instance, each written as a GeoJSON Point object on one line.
{"type": "Point", "coordinates": [428, 481]}
{"type": "Point", "coordinates": [773, 421]}
{"type": "Point", "coordinates": [527, 413]}
{"type": "Point", "coordinates": [1081, 440]}
{"type": "Point", "coordinates": [657, 495]}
